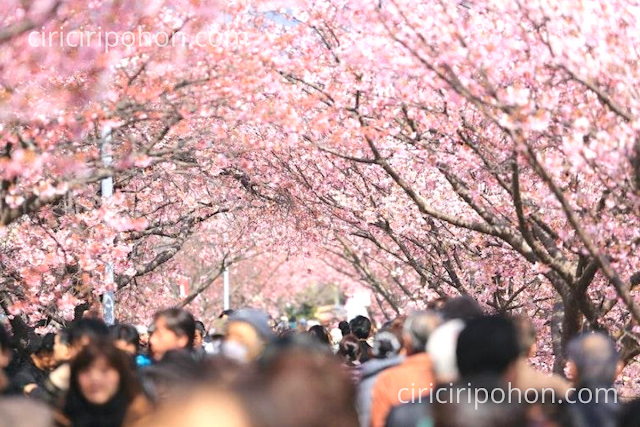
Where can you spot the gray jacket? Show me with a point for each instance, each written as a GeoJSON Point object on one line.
{"type": "Point", "coordinates": [370, 371]}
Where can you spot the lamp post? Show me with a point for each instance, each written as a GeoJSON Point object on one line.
{"type": "Point", "coordinates": [108, 298]}
{"type": "Point", "coordinates": [225, 288]}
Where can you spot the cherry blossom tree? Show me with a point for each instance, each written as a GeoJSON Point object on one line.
{"type": "Point", "coordinates": [423, 150]}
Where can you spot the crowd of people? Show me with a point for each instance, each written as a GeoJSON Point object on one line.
{"type": "Point", "coordinates": [455, 366]}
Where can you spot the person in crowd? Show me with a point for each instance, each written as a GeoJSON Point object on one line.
{"type": "Point", "coordinates": [125, 337]}
{"type": "Point", "coordinates": [319, 333]}
{"type": "Point", "coordinates": [164, 379]}
{"type": "Point", "coordinates": [247, 333]}
{"type": "Point", "coordinates": [201, 332]}
{"type": "Point", "coordinates": [71, 341]}
{"type": "Point", "coordinates": [593, 364]}
{"type": "Point", "coordinates": [16, 410]}
{"type": "Point", "coordinates": [387, 345]}
{"type": "Point", "coordinates": [19, 411]}
{"type": "Point", "coordinates": [214, 346]}
{"type": "Point", "coordinates": [344, 328]}
{"type": "Point", "coordinates": [173, 329]}
{"type": "Point", "coordinates": [103, 390]}
{"type": "Point", "coordinates": [527, 377]}
{"type": "Point", "coordinates": [488, 346]}
{"type": "Point", "coordinates": [85, 331]}
{"type": "Point", "coordinates": [5, 357]}
{"type": "Point", "coordinates": [143, 333]}
{"type": "Point", "coordinates": [349, 352]}
{"type": "Point", "coordinates": [335, 336]}
{"type": "Point", "coordinates": [441, 348]}
{"type": "Point", "coordinates": [61, 347]}
{"type": "Point", "coordinates": [35, 369]}
{"type": "Point", "coordinates": [413, 378]}
{"type": "Point", "coordinates": [302, 373]}
{"type": "Point", "coordinates": [463, 307]}
{"type": "Point", "coordinates": [486, 353]}
{"type": "Point", "coordinates": [224, 315]}
{"type": "Point", "coordinates": [360, 326]}
{"type": "Point", "coordinates": [204, 407]}
{"type": "Point", "coordinates": [476, 406]}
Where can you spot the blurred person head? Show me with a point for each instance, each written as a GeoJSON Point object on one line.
{"type": "Point", "coordinates": [385, 345]}
{"type": "Point", "coordinates": [41, 351]}
{"type": "Point", "coordinates": [324, 393]}
{"type": "Point", "coordinates": [201, 332]}
{"type": "Point", "coordinates": [292, 341]}
{"type": "Point", "coordinates": [319, 333]}
{"type": "Point", "coordinates": [477, 403]}
{"type": "Point", "coordinates": [442, 350]}
{"type": "Point", "coordinates": [526, 335]}
{"type": "Point", "coordinates": [126, 338]}
{"type": "Point", "coordinates": [143, 333]}
{"type": "Point", "coordinates": [488, 345]}
{"type": "Point", "coordinates": [173, 329]}
{"type": "Point", "coordinates": [177, 371]}
{"type": "Point", "coordinates": [360, 326]}
{"type": "Point", "coordinates": [462, 307]}
{"type": "Point", "coordinates": [593, 360]}
{"type": "Point", "coordinates": [84, 331]}
{"type": "Point", "coordinates": [247, 333]}
{"type": "Point", "coordinates": [416, 330]}
{"type": "Point", "coordinates": [349, 349]}
{"type": "Point", "coordinates": [344, 328]}
{"type": "Point", "coordinates": [16, 411]}
{"type": "Point", "coordinates": [102, 386]}
{"type": "Point", "coordinates": [389, 342]}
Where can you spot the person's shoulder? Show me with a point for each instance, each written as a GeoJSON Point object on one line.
{"type": "Point", "coordinates": [387, 375]}
{"type": "Point", "coordinates": [408, 414]}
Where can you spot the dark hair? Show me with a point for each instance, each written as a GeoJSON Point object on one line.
{"type": "Point", "coordinates": [320, 334]}
{"type": "Point", "coordinates": [344, 328]}
{"type": "Point", "coordinates": [464, 308]}
{"type": "Point", "coordinates": [126, 333]}
{"type": "Point", "coordinates": [526, 333]}
{"type": "Point", "coordinates": [83, 413]}
{"type": "Point", "coordinates": [45, 344]}
{"type": "Point", "coordinates": [200, 327]}
{"type": "Point", "coordinates": [5, 339]}
{"type": "Point", "coordinates": [360, 327]}
{"type": "Point", "coordinates": [328, 397]}
{"type": "Point", "coordinates": [291, 341]}
{"type": "Point", "coordinates": [349, 348]}
{"type": "Point", "coordinates": [487, 345]}
{"type": "Point", "coordinates": [180, 322]}
{"type": "Point", "coordinates": [91, 328]}
{"type": "Point", "coordinates": [63, 336]}
{"type": "Point", "coordinates": [479, 407]}
{"type": "Point", "coordinates": [40, 344]}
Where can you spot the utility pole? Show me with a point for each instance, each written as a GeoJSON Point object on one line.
{"type": "Point", "coordinates": [225, 288]}
{"type": "Point", "coordinates": [108, 298]}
